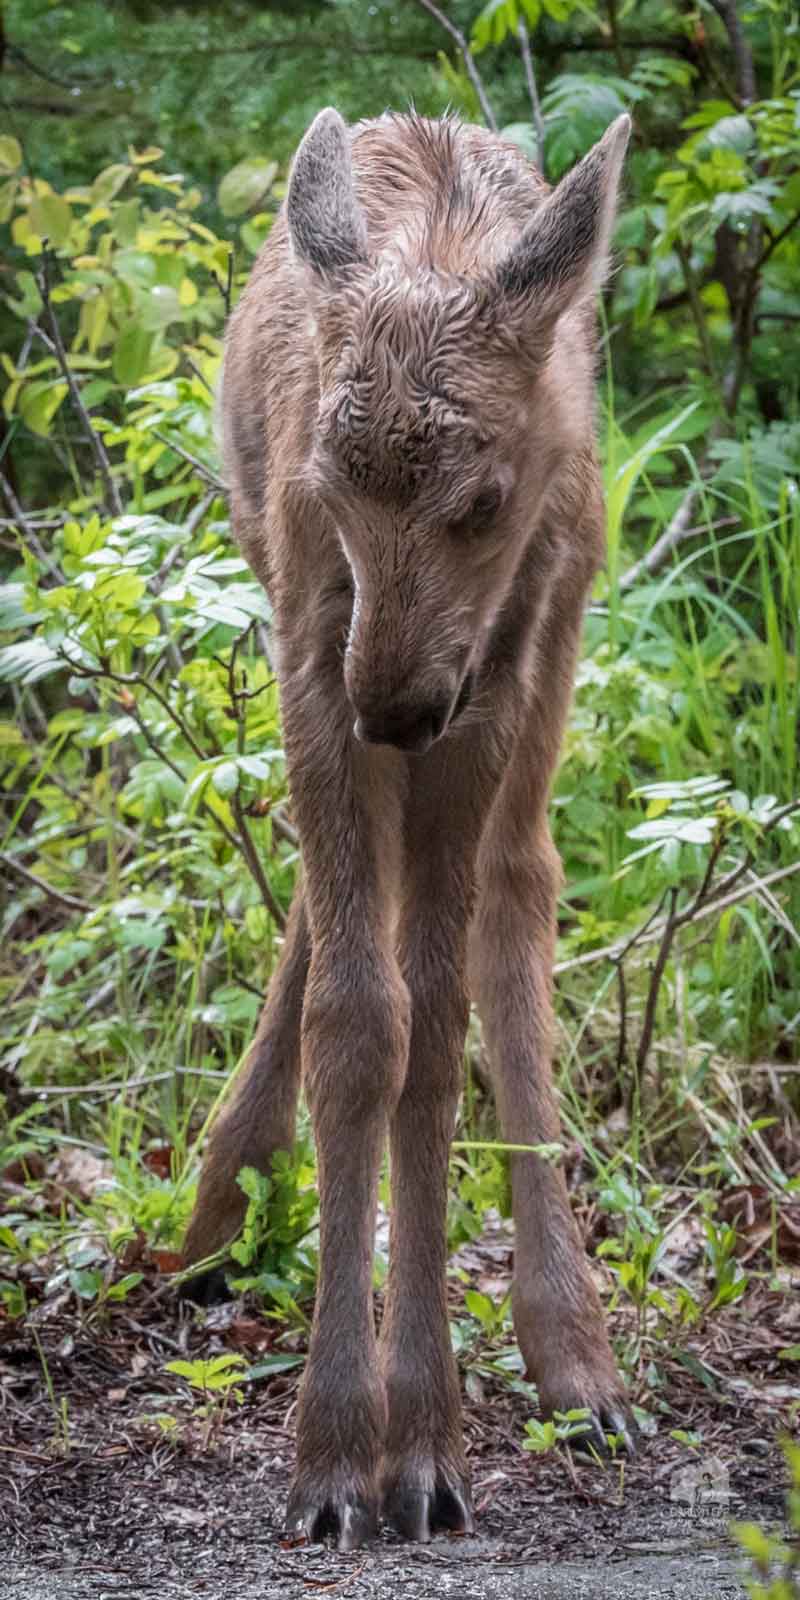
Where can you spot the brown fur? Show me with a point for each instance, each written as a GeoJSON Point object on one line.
{"type": "Point", "coordinates": [409, 437]}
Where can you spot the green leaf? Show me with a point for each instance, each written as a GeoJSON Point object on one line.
{"type": "Point", "coordinates": [241, 189]}
{"type": "Point", "coordinates": [225, 777]}
{"type": "Point", "coordinates": [271, 1365]}
{"type": "Point", "coordinates": [27, 662]}
{"type": "Point", "coordinates": [480, 1307]}
{"type": "Point", "coordinates": [10, 154]}
{"type": "Point", "coordinates": [627, 475]}
{"type": "Point", "coordinates": [132, 354]}
{"type": "Point", "coordinates": [38, 404]}
{"type": "Point", "coordinates": [50, 217]}
{"type": "Point", "coordinates": [109, 182]}
{"type": "Point", "coordinates": [495, 22]}
{"type": "Point", "coordinates": [120, 1290]}
{"type": "Point", "coordinates": [732, 133]}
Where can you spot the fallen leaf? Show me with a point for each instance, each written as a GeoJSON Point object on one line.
{"type": "Point", "coordinates": [167, 1260]}
{"type": "Point", "coordinates": [159, 1160]}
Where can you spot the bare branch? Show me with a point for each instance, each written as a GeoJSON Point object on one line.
{"type": "Point", "coordinates": [157, 582]}
{"type": "Point", "coordinates": [678, 530]}
{"type": "Point", "coordinates": [93, 438]}
{"type": "Point", "coordinates": [226, 288]}
{"type": "Point", "coordinates": [469, 60]}
{"type": "Point", "coordinates": [199, 466]}
{"type": "Point", "coordinates": [698, 312]}
{"type": "Point", "coordinates": [28, 531]}
{"type": "Point", "coordinates": [533, 92]}
{"type": "Point", "coordinates": [253, 860]}
{"type": "Point", "coordinates": [726, 893]}
{"type": "Point", "coordinates": [742, 54]}
{"type": "Point", "coordinates": [774, 241]}
{"type": "Point", "coordinates": [178, 550]}
{"type": "Point", "coordinates": [68, 900]}
{"type": "Point", "coordinates": [670, 928]}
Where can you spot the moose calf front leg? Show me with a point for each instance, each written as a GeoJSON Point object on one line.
{"type": "Point", "coordinates": [425, 1480]}
{"type": "Point", "coordinates": [557, 1313]}
{"type": "Point", "coordinates": [355, 1048]}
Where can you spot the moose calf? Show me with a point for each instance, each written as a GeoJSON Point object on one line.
{"type": "Point", "coordinates": [408, 431]}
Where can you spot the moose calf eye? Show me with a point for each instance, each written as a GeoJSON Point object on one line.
{"type": "Point", "coordinates": [481, 513]}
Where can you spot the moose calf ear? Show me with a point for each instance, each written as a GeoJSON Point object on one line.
{"type": "Point", "coordinates": [326, 223]}
{"type": "Point", "coordinates": [562, 252]}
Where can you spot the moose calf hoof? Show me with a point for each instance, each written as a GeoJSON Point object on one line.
{"type": "Point", "coordinates": [608, 1408]}
{"type": "Point", "coordinates": [318, 1511]}
{"type": "Point", "coordinates": [419, 1503]}
{"type": "Point", "coordinates": [615, 1418]}
{"type": "Point", "coordinates": [206, 1288]}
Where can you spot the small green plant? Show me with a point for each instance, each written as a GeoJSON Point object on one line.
{"type": "Point", "coordinates": [775, 1561]}
{"type": "Point", "coordinates": [274, 1245]}
{"type": "Point", "coordinates": [216, 1381]}
{"type": "Point", "coordinates": [564, 1427]}
{"type": "Point", "coordinates": [61, 1443]}
{"type": "Point", "coordinates": [13, 1298]}
{"type": "Point", "coordinates": [729, 1278]}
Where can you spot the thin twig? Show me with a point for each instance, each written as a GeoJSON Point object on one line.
{"type": "Point", "coordinates": [533, 92]}
{"type": "Point", "coordinates": [193, 368]}
{"type": "Point", "coordinates": [68, 900]}
{"type": "Point", "coordinates": [696, 304]}
{"type": "Point", "coordinates": [28, 531]}
{"type": "Point", "coordinates": [678, 530]}
{"type": "Point", "coordinates": [138, 680]}
{"type": "Point", "coordinates": [253, 860]}
{"type": "Point", "coordinates": [727, 892]}
{"type": "Point", "coordinates": [669, 930]}
{"type": "Point", "coordinates": [92, 436]}
{"type": "Point", "coordinates": [156, 583]}
{"type": "Point", "coordinates": [199, 466]}
{"type": "Point", "coordinates": [774, 240]}
{"type": "Point", "coordinates": [226, 288]}
{"type": "Point", "coordinates": [171, 560]}
{"type": "Point", "coordinates": [469, 60]}
{"type": "Point", "coordinates": [611, 952]}
{"type": "Point", "coordinates": [243, 841]}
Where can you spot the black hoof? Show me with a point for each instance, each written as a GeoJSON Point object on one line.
{"type": "Point", "coordinates": [206, 1288]}
{"type": "Point", "coordinates": [604, 1420]}
{"type": "Point", "coordinates": [416, 1511]}
{"type": "Point", "coordinates": [310, 1518]}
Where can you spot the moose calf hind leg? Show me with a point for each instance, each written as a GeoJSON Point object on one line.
{"type": "Point", "coordinates": [558, 1317]}
{"type": "Point", "coordinates": [260, 1118]}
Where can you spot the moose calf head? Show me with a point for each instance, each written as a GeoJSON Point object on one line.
{"type": "Point", "coordinates": [449, 398]}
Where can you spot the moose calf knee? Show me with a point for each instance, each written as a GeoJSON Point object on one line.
{"type": "Point", "coordinates": [355, 1039]}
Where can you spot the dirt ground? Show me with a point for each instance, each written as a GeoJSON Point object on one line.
{"type": "Point", "coordinates": [96, 1500]}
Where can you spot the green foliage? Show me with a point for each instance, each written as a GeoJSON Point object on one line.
{"type": "Point", "coordinates": [216, 1381]}
{"type": "Point", "coordinates": [775, 1562]}
{"type": "Point", "coordinates": [281, 1215]}
{"type": "Point", "coordinates": [147, 846]}
{"type": "Point", "coordinates": [564, 1427]}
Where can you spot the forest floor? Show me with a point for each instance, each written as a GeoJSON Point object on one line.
{"type": "Point", "coordinates": [99, 1498]}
